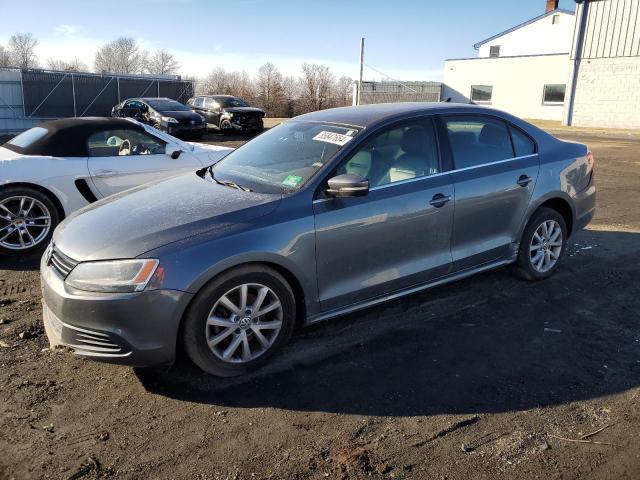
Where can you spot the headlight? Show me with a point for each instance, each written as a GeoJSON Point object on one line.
{"type": "Point", "coordinates": [169, 120]}
{"type": "Point", "coordinates": [114, 276]}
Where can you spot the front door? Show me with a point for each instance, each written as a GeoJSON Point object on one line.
{"type": "Point", "coordinates": [396, 236]}
{"type": "Point", "coordinates": [125, 158]}
{"type": "Point", "coordinates": [495, 171]}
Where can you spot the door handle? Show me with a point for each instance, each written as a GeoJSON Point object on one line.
{"type": "Point", "coordinates": [105, 173]}
{"type": "Point", "coordinates": [524, 180]}
{"type": "Point", "coordinates": [439, 200]}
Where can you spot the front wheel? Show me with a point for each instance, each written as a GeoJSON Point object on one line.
{"type": "Point", "coordinates": [27, 220]}
{"type": "Point", "coordinates": [542, 246]}
{"type": "Point", "coordinates": [239, 320]}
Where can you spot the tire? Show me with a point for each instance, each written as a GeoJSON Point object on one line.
{"type": "Point", "coordinates": [228, 330]}
{"type": "Point", "coordinates": [17, 235]}
{"type": "Point", "coordinates": [530, 265]}
{"type": "Point", "coordinates": [226, 128]}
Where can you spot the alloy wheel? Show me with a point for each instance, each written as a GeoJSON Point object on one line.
{"type": "Point", "coordinates": [24, 222]}
{"type": "Point", "coordinates": [244, 323]}
{"type": "Point", "coordinates": [546, 246]}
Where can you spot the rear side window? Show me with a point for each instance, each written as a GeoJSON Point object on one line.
{"type": "Point", "coordinates": [522, 144]}
{"type": "Point", "coordinates": [28, 138]}
{"type": "Point", "coordinates": [199, 102]}
{"type": "Point", "coordinates": [478, 140]}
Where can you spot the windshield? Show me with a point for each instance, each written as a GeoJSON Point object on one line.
{"type": "Point", "coordinates": [168, 106]}
{"type": "Point", "coordinates": [283, 158]}
{"type": "Point", "coordinates": [226, 102]}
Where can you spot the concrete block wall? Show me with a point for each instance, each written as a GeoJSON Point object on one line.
{"type": "Point", "coordinates": [608, 93]}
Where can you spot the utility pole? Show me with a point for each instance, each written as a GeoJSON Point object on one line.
{"type": "Point", "coordinates": [361, 69]}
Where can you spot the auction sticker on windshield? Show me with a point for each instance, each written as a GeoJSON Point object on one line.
{"type": "Point", "coordinates": [332, 137]}
{"type": "Point", "coordinates": [292, 180]}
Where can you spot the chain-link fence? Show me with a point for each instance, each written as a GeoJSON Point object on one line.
{"type": "Point", "coordinates": [393, 91]}
{"type": "Point", "coordinates": [29, 96]}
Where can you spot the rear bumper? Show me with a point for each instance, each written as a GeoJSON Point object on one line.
{"type": "Point", "coordinates": [138, 329]}
{"type": "Point", "coordinates": [585, 203]}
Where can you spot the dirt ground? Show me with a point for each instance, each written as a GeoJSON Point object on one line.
{"type": "Point", "coordinates": [488, 378]}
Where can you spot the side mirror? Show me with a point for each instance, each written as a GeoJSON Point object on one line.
{"type": "Point", "coordinates": [173, 151]}
{"type": "Point", "coordinates": [348, 185]}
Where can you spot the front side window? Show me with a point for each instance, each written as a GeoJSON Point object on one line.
{"type": "Point", "coordinates": [478, 140]}
{"type": "Point", "coordinates": [123, 142]}
{"type": "Point", "coordinates": [210, 103]}
{"type": "Point", "coordinates": [554, 94]}
{"type": "Point", "coordinates": [285, 157]}
{"type": "Point", "coordinates": [481, 93]}
{"type": "Point", "coordinates": [400, 153]}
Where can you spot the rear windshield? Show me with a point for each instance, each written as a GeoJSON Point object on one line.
{"type": "Point", "coordinates": [168, 106]}
{"type": "Point", "coordinates": [26, 139]}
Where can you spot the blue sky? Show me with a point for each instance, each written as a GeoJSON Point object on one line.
{"type": "Point", "coordinates": [407, 39]}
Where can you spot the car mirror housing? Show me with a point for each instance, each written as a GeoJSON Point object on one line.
{"type": "Point", "coordinates": [173, 151]}
{"type": "Point", "coordinates": [348, 185]}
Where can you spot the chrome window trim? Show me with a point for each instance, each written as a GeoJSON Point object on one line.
{"type": "Point", "coordinates": [409, 180]}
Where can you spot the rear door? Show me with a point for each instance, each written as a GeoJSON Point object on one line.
{"type": "Point", "coordinates": [396, 236]}
{"type": "Point", "coordinates": [124, 158]}
{"type": "Point", "coordinates": [495, 170]}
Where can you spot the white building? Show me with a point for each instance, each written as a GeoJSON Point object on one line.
{"type": "Point", "coordinates": [523, 70]}
{"type": "Point", "coordinates": [604, 80]}
{"type": "Point", "coordinates": [582, 68]}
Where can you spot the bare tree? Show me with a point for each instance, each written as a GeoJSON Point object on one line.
{"type": "Point", "coordinates": [122, 55]}
{"type": "Point", "coordinates": [343, 92]}
{"type": "Point", "coordinates": [316, 84]}
{"type": "Point", "coordinates": [270, 89]}
{"type": "Point", "coordinates": [216, 82]}
{"type": "Point", "coordinates": [5, 60]}
{"type": "Point", "coordinates": [75, 65]}
{"type": "Point", "coordinates": [22, 50]}
{"type": "Point", "coordinates": [163, 63]}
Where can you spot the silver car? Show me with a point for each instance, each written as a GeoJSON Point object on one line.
{"type": "Point", "coordinates": [325, 214]}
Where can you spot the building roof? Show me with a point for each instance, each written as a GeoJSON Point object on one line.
{"type": "Point", "coordinates": [517, 27]}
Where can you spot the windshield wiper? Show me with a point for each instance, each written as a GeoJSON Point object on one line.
{"type": "Point", "coordinates": [227, 183]}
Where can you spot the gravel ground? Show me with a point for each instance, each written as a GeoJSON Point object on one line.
{"type": "Point", "coordinates": [491, 377]}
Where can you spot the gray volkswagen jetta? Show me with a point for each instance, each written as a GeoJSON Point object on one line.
{"type": "Point", "coordinates": [325, 214]}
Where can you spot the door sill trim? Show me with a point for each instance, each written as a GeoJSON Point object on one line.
{"type": "Point", "coordinates": [322, 316]}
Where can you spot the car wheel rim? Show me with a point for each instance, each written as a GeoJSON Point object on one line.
{"type": "Point", "coordinates": [24, 222]}
{"type": "Point", "coordinates": [546, 246]}
{"type": "Point", "coordinates": [244, 323]}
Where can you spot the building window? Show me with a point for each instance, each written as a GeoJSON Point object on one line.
{"type": "Point", "coordinates": [481, 93]}
{"type": "Point", "coordinates": [494, 51]}
{"type": "Point", "coordinates": [553, 94]}
{"type": "Point", "coordinates": [555, 20]}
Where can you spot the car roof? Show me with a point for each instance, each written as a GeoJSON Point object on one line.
{"type": "Point", "coordinates": [148, 99]}
{"type": "Point", "coordinates": [369, 115]}
{"type": "Point", "coordinates": [66, 137]}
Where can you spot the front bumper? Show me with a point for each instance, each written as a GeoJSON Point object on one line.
{"type": "Point", "coordinates": [247, 125]}
{"type": "Point", "coordinates": [136, 329]}
{"type": "Point", "coordinates": [177, 129]}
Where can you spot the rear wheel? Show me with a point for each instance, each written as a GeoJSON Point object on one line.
{"type": "Point", "coordinates": [27, 220]}
{"type": "Point", "coordinates": [542, 245]}
{"type": "Point", "coordinates": [239, 320]}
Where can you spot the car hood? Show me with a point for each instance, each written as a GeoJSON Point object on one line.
{"type": "Point", "coordinates": [182, 116]}
{"type": "Point", "coordinates": [131, 223]}
{"type": "Point", "coordinates": [243, 110]}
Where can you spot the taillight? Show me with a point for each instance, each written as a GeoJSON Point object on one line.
{"type": "Point", "coordinates": [590, 160]}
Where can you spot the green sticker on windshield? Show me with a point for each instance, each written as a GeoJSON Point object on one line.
{"type": "Point", "coordinates": [292, 180]}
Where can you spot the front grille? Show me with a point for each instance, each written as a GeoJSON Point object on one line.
{"type": "Point", "coordinates": [61, 263]}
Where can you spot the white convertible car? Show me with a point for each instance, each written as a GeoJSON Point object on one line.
{"type": "Point", "coordinates": [60, 166]}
